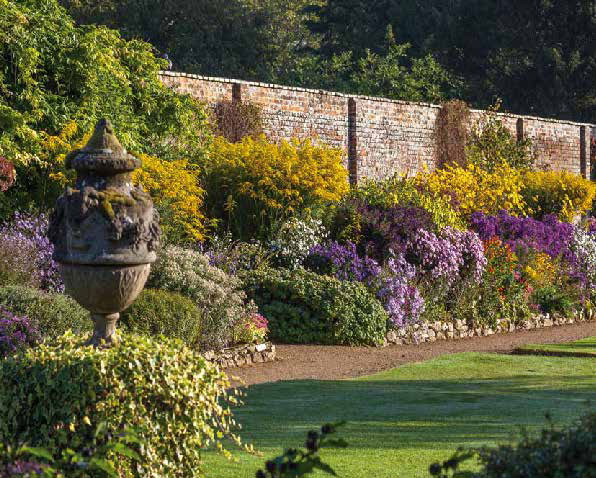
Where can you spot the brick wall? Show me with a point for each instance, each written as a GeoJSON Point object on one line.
{"type": "Point", "coordinates": [378, 136]}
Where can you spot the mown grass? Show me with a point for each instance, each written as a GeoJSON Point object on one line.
{"type": "Point", "coordinates": [583, 347]}
{"type": "Point", "coordinates": [400, 420]}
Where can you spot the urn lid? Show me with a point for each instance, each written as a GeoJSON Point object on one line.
{"type": "Point", "coordinates": [103, 154]}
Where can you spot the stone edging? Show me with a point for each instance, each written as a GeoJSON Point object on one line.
{"type": "Point", "coordinates": [241, 355]}
{"type": "Point", "coordinates": [433, 331]}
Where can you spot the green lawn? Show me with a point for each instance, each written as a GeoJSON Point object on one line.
{"type": "Point", "coordinates": [582, 347]}
{"type": "Point", "coordinates": [403, 419]}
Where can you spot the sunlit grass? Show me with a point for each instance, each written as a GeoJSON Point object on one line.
{"type": "Point", "coordinates": [401, 420]}
{"type": "Point", "coordinates": [585, 347]}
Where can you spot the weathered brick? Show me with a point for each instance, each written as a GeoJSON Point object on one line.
{"type": "Point", "coordinates": [380, 137]}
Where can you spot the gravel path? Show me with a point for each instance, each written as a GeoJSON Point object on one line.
{"type": "Point", "coordinates": [335, 362]}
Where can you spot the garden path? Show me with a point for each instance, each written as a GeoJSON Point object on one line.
{"type": "Point", "coordinates": [336, 362]}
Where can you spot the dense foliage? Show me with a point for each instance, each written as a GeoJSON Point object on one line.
{"type": "Point", "coordinates": [303, 307]}
{"type": "Point", "coordinates": [254, 185]}
{"type": "Point", "coordinates": [217, 296]}
{"type": "Point", "coordinates": [51, 313]}
{"type": "Point", "coordinates": [539, 60]}
{"type": "Point", "coordinates": [158, 312]}
{"type": "Point", "coordinates": [138, 384]}
{"type": "Point", "coordinates": [57, 79]}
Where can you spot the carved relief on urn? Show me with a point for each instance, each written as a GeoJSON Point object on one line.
{"type": "Point", "coordinates": [105, 231]}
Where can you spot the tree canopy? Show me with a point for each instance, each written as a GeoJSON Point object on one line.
{"type": "Point", "coordinates": [57, 79]}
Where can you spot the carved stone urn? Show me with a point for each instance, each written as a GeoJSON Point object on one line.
{"type": "Point", "coordinates": [105, 232]}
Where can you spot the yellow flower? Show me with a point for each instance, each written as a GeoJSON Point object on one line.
{"type": "Point", "coordinates": [174, 187]}
{"type": "Point", "coordinates": [268, 181]}
{"type": "Point", "coordinates": [474, 189]}
{"type": "Point", "coordinates": [558, 192]}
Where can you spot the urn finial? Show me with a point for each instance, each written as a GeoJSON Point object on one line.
{"type": "Point", "coordinates": [103, 137]}
{"type": "Point", "coordinates": [103, 154]}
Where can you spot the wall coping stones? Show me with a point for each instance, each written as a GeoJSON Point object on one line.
{"type": "Point", "coordinates": [360, 97]}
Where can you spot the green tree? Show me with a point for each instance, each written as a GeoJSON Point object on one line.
{"type": "Point", "coordinates": [249, 39]}
{"type": "Point", "coordinates": [57, 79]}
{"type": "Point", "coordinates": [390, 72]}
{"type": "Point", "coordinates": [538, 56]}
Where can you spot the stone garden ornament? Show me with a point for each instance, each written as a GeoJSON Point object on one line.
{"type": "Point", "coordinates": [105, 232]}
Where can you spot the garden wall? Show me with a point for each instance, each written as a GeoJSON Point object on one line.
{"type": "Point", "coordinates": [380, 137]}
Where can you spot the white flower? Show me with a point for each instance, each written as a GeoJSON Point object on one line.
{"type": "Point", "coordinates": [294, 240]}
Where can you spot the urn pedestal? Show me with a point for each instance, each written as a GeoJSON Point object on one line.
{"type": "Point", "coordinates": [105, 232]}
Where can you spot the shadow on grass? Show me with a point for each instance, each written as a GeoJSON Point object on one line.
{"type": "Point", "coordinates": [425, 413]}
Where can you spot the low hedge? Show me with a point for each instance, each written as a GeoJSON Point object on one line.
{"type": "Point", "coordinates": [303, 307]}
{"type": "Point", "coordinates": [158, 312]}
{"type": "Point", "coordinates": [568, 452]}
{"type": "Point", "coordinates": [52, 313]}
{"type": "Point", "coordinates": [59, 396]}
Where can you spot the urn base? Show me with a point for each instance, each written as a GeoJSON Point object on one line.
{"type": "Point", "coordinates": [104, 330]}
{"type": "Point", "coordinates": [105, 291]}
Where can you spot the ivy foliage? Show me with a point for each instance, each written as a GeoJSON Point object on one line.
{"type": "Point", "coordinates": [57, 79]}
{"type": "Point", "coordinates": [57, 396]}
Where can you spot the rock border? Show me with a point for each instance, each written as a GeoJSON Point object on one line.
{"type": "Point", "coordinates": [432, 331]}
{"type": "Point", "coordinates": [242, 355]}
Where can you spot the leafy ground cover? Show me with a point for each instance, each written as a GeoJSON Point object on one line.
{"type": "Point", "coordinates": [401, 420]}
{"type": "Point", "coordinates": [583, 347]}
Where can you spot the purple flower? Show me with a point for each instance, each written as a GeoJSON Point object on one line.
{"type": "Point", "coordinates": [387, 229]}
{"type": "Point", "coordinates": [525, 233]}
{"type": "Point", "coordinates": [343, 262]}
{"type": "Point", "coordinates": [391, 284]}
{"type": "Point", "coordinates": [22, 468]}
{"type": "Point", "coordinates": [450, 256]}
{"type": "Point", "coordinates": [25, 247]}
{"type": "Point", "coordinates": [402, 300]}
{"type": "Point", "coordinates": [16, 333]}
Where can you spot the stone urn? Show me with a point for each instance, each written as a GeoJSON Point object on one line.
{"type": "Point", "coordinates": [105, 232]}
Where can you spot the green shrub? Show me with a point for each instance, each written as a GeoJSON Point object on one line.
{"type": "Point", "coordinates": [217, 295]}
{"type": "Point", "coordinates": [490, 145]}
{"type": "Point", "coordinates": [569, 452]}
{"type": "Point", "coordinates": [58, 78]}
{"type": "Point", "coordinates": [552, 300]}
{"type": "Point", "coordinates": [158, 312]}
{"type": "Point", "coordinates": [53, 314]}
{"type": "Point", "coordinates": [56, 396]}
{"type": "Point", "coordinates": [304, 307]}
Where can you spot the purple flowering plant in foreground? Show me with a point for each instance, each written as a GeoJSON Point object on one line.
{"type": "Point", "coordinates": [21, 469]}
{"type": "Point", "coordinates": [424, 260]}
{"type": "Point", "coordinates": [16, 333]}
{"type": "Point", "coordinates": [25, 247]}
{"type": "Point", "coordinates": [451, 255]}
